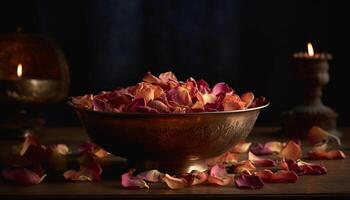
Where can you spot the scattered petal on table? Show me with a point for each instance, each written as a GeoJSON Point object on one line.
{"type": "Point", "coordinates": [242, 166]}
{"type": "Point", "coordinates": [150, 175]}
{"type": "Point", "coordinates": [305, 168]}
{"type": "Point", "coordinates": [260, 162]}
{"type": "Point", "coordinates": [199, 177]}
{"type": "Point", "coordinates": [321, 154]}
{"type": "Point", "coordinates": [218, 175]}
{"type": "Point", "coordinates": [244, 181]}
{"type": "Point", "coordinates": [225, 158]}
{"type": "Point", "coordinates": [318, 135]}
{"type": "Point", "coordinates": [175, 183]}
{"type": "Point", "coordinates": [22, 176]}
{"type": "Point", "coordinates": [132, 182]}
{"type": "Point", "coordinates": [291, 151]}
{"type": "Point", "coordinates": [281, 176]}
{"type": "Point", "coordinates": [88, 172]}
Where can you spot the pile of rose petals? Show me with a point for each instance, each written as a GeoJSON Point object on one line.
{"type": "Point", "coordinates": [245, 165]}
{"type": "Point", "coordinates": [166, 94]}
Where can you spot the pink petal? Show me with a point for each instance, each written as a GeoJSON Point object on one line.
{"type": "Point", "coordinates": [243, 166]}
{"type": "Point", "coordinates": [260, 162]}
{"type": "Point", "coordinates": [260, 149]}
{"type": "Point", "coordinates": [321, 154]}
{"type": "Point", "coordinates": [247, 98]}
{"type": "Point", "coordinates": [167, 76]}
{"type": "Point", "coordinates": [241, 147]}
{"type": "Point", "coordinates": [203, 86]}
{"type": "Point", "coordinates": [218, 175]}
{"type": "Point", "coordinates": [22, 176]}
{"type": "Point", "coordinates": [150, 175]}
{"type": "Point", "coordinates": [174, 183]}
{"type": "Point", "coordinates": [206, 98]}
{"type": "Point", "coordinates": [222, 88]}
{"type": "Point", "coordinates": [291, 151]}
{"type": "Point", "coordinates": [132, 182]}
{"type": "Point", "coordinates": [136, 104]}
{"type": "Point", "coordinates": [244, 181]}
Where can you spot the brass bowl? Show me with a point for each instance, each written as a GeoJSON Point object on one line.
{"type": "Point", "coordinates": [173, 143]}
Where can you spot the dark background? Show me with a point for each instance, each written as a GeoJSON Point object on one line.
{"type": "Point", "coordinates": [247, 43]}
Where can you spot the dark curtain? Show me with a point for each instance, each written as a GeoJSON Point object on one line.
{"type": "Point", "coordinates": [248, 44]}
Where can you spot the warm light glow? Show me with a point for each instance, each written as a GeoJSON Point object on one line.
{"type": "Point", "coordinates": [19, 70]}
{"type": "Point", "coordinates": [310, 49]}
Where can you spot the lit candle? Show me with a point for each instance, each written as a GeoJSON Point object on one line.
{"type": "Point", "coordinates": [19, 70]}
{"type": "Point", "coordinates": [312, 72]}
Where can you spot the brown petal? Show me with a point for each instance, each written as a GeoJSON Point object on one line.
{"type": "Point", "coordinates": [260, 162]}
{"type": "Point", "coordinates": [321, 154]}
{"type": "Point", "coordinates": [243, 166]}
{"type": "Point", "coordinates": [247, 98]}
{"type": "Point", "coordinates": [241, 147]}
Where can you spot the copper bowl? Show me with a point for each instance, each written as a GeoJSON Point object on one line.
{"type": "Point", "coordinates": [173, 143]}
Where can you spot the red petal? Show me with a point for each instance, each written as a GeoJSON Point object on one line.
{"type": "Point", "coordinates": [22, 176]}
{"type": "Point", "coordinates": [131, 182]}
{"type": "Point", "coordinates": [304, 168]}
{"type": "Point", "coordinates": [291, 151]}
{"type": "Point", "coordinates": [150, 175]}
{"type": "Point", "coordinates": [320, 154]}
{"type": "Point", "coordinates": [203, 86]}
{"type": "Point", "coordinates": [248, 182]}
{"type": "Point", "coordinates": [260, 162]}
{"type": "Point", "coordinates": [241, 147]}
{"type": "Point", "coordinates": [284, 176]}
{"type": "Point", "coordinates": [265, 174]}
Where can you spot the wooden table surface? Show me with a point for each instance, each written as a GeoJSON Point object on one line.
{"type": "Point", "coordinates": [335, 184]}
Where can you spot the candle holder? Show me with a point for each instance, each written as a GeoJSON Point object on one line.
{"type": "Point", "coordinates": [312, 72]}
{"type": "Point", "coordinates": [33, 74]}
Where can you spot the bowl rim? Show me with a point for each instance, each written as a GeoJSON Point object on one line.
{"type": "Point", "coordinates": [165, 114]}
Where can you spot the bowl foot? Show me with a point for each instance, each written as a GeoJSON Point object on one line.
{"type": "Point", "coordinates": [170, 167]}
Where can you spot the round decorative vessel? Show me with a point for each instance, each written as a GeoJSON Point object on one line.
{"type": "Point", "coordinates": [173, 143]}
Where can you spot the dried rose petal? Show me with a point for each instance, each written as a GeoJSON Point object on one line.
{"type": "Point", "coordinates": [282, 164]}
{"type": "Point", "coordinates": [60, 149]}
{"type": "Point", "coordinates": [241, 147]}
{"type": "Point", "coordinates": [304, 168]}
{"type": "Point", "coordinates": [244, 181]}
{"type": "Point", "coordinates": [291, 151]}
{"type": "Point", "coordinates": [179, 95]}
{"type": "Point", "coordinates": [159, 106]}
{"type": "Point", "coordinates": [83, 101]}
{"type": "Point", "coordinates": [222, 88]}
{"type": "Point", "coordinates": [167, 77]}
{"type": "Point", "coordinates": [88, 172]}
{"type": "Point", "coordinates": [225, 158]}
{"type": "Point", "coordinates": [243, 166]}
{"type": "Point", "coordinates": [247, 98]}
{"type": "Point", "coordinates": [22, 176]}
{"type": "Point", "coordinates": [281, 176]}
{"type": "Point", "coordinates": [318, 135]}
{"type": "Point", "coordinates": [203, 86]}
{"type": "Point", "coordinates": [132, 182]}
{"type": "Point", "coordinates": [175, 183]}
{"type": "Point", "coordinates": [90, 147]}
{"type": "Point", "coordinates": [150, 175]}
{"type": "Point", "coordinates": [136, 104]}
{"type": "Point", "coordinates": [260, 162]}
{"type": "Point", "coordinates": [233, 102]}
{"type": "Point", "coordinates": [149, 78]}
{"type": "Point", "coordinates": [218, 175]}
{"type": "Point", "coordinates": [30, 140]}
{"type": "Point", "coordinates": [321, 154]}
{"type": "Point", "coordinates": [199, 177]}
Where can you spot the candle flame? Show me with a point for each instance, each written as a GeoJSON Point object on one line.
{"type": "Point", "coordinates": [19, 70]}
{"type": "Point", "coordinates": [310, 49]}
